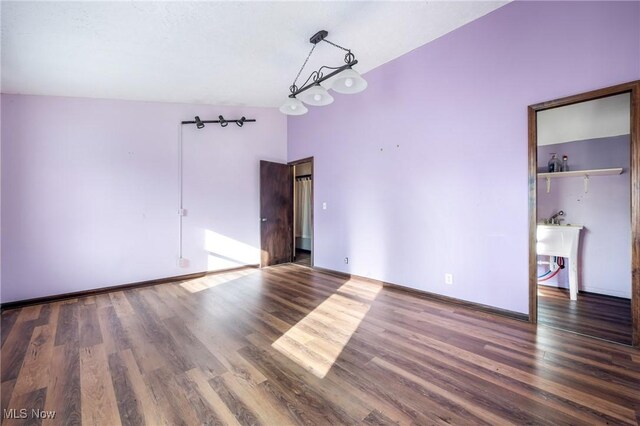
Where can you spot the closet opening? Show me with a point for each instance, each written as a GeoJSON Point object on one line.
{"type": "Point", "coordinates": [303, 211]}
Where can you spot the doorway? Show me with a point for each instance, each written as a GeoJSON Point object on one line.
{"type": "Point", "coordinates": [286, 212]}
{"type": "Point", "coordinates": [584, 198]}
{"type": "Point", "coordinates": [302, 171]}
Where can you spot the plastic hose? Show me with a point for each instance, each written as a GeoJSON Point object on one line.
{"type": "Point", "coordinates": [550, 276]}
{"type": "Point", "coordinates": [559, 261]}
{"type": "Point", "coordinates": [545, 274]}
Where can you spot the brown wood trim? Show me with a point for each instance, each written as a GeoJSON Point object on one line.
{"type": "Point", "coordinates": [632, 87]}
{"type": "Point", "coordinates": [313, 191]}
{"type": "Point", "coordinates": [459, 302]}
{"type": "Point", "coordinates": [533, 188]}
{"type": "Point", "coordinates": [591, 293]}
{"type": "Point", "coordinates": [303, 160]}
{"type": "Point", "coordinates": [93, 292]}
{"type": "Point", "coordinates": [431, 296]}
{"type": "Point", "coordinates": [635, 213]}
{"type": "Point", "coordinates": [339, 274]}
{"type": "Point", "coordinates": [587, 96]}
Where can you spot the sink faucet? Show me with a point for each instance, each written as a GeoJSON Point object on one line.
{"type": "Point", "coordinates": [555, 220]}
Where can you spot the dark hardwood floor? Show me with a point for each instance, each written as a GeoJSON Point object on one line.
{"type": "Point", "coordinates": [290, 345]}
{"type": "Point", "coordinates": [596, 315]}
{"type": "Point", "coordinates": [303, 257]}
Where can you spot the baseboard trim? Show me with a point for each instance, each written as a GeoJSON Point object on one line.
{"type": "Point", "coordinates": [432, 296]}
{"type": "Point", "coordinates": [589, 290]}
{"type": "Point", "coordinates": [92, 292]}
{"type": "Point", "coordinates": [336, 273]}
{"type": "Point", "coordinates": [459, 302]}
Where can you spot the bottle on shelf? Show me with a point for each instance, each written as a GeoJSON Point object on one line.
{"type": "Point", "coordinates": [565, 163]}
{"type": "Point", "coordinates": [554, 165]}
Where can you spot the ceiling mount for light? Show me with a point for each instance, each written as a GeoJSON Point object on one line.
{"type": "Point", "coordinates": [346, 81]}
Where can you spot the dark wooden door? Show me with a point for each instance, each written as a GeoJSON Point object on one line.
{"type": "Point", "coordinates": [276, 213]}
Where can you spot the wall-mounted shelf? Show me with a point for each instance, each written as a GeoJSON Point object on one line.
{"type": "Point", "coordinates": [586, 174]}
{"type": "Point", "coordinates": [573, 173]}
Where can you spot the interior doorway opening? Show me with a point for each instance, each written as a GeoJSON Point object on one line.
{"type": "Point", "coordinates": [302, 211]}
{"type": "Point", "coordinates": [598, 293]}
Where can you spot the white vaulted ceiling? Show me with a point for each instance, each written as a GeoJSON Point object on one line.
{"type": "Point", "coordinates": [222, 53]}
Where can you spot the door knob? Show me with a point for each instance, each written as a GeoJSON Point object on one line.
{"type": "Point", "coordinates": [264, 219]}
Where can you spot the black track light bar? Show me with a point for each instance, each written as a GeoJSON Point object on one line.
{"type": "Point", "coordinates": [221, 120]}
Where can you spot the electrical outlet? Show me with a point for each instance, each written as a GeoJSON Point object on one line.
{"type": "Point", "coordinates": [324, 206]}
{"type": "Point", "coordinates": [448, 279]}
{"type": "Point", "coordinates": [346, 260]}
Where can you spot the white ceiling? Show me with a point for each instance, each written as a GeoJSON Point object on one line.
{"type": "Point", "coordinates": [221, 53]}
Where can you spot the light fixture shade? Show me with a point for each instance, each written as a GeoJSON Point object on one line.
{"type": "Point", "coordinates": [348, 82]}
{"type": "Point", "coordinates": [316, 95]}
{"type": "Point", "coordinates": [293, 107]}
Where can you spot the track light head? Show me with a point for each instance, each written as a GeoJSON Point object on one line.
{"type": "Point", "coordinates": [240, 122]}
{"type": "Point", "coordinates": [199, 123]}
{"type": "Point", "coordinates": [223, 122]}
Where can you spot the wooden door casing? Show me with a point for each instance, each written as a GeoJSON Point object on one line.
{"type": "Point", "coordinates": [633, 88]}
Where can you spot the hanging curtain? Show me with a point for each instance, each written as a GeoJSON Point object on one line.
{"type": "Point", "coordinates": [303, 208]}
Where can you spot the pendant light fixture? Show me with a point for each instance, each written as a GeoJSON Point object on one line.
{"type": "Point", "coordinates": [316, 96]}
{"type": "Point", "coordinates": [344, 79]}
{"type": "Point", "coordinates": [348, 82]}
{"type": "Point", "coordinates": [293, 107]}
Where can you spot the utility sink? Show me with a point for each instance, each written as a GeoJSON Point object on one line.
{"type": "Point", "coordinates": [562, 241]}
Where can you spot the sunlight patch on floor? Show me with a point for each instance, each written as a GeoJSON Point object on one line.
{"type": "Point", "coordinates": [316, 341]}
{"type": "Point", "coordinates": [215, 280]}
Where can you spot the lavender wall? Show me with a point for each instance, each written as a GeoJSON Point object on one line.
{"type": "Point", "coordinates": [605, 212]}
{"type": "Point", "coordinates": [90, 191]}
{"type": "Point", "coordinates": [425, 173]}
